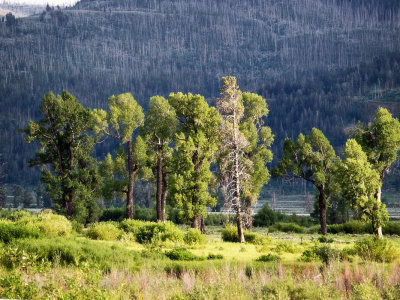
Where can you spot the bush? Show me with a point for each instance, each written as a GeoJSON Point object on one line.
{"type": "Point", "coordinates": [216, 219]}
{"type": "Point", "coordinates": [287, 227]}
{"type": "Point", "coordinates": [116, 214]}
{"type": "Point", "coordinates": [314, 229]}
{"type": "Point", "coordinates": [182, 254]}
{"type": "Point", "coordinates": [73, 251]}
{"type": "Point", "coordinates": [374, 248]}
{"type": "Point", "coordinates": [14, 215]}
{"type": "Point", "coordinates": [324, 239]}
{"type": "Point", "coordinates": [194, 236]}
{"type": "Point", "coordinates": [285, 246]}
{"type": "Point", "coordinates": [215, 256]}
{"type": "Point", "coordinates": [104, 231]}
{"type": "Point", "coordinates": [230, 233]}
{"type": "Point", "coordinates": [269, 257]}
{"type": "Point", "coordinates": [267, 217]}
{"type": "Point", "coordinates": [76, 226]}
{"type": "Point", "coordinates": [149, 232]}
{"type": "Point", "coordinates": [10, 231]}
{"type": "Point", "coordinates": [391, 228]}
{"type": "Point", "coordinates": [49, 224]}
{"type": "Point", "coordinates": [324, 253]}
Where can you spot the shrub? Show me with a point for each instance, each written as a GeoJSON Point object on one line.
{"type": "Point", "coordinates": [194, 236]}
{"type": "Point", "coordinates": [10, 231]}
{"type": "Point", "coordinates": [73, 251]}
{"type": "Point", "coordinates": [76, 226]}
{"type": "Point", "coordinates": [14, 215]}
{"type": "Point", "coordinates": [216, 219]}
{"type": "Point", "coordinates": [230, 233]}
{"type": "Point", "coordinates": [374, 248]}
{"type": "Point", "coordinates": [182, 254]}
{"type": "Point", "coordinates": [314, 229]}
{"type": "Point", "coordinates": [391, 228]}
{"type": "Point", "coordinates": [324, 239]}
{"type": "Point", "coordinates": [104, 231]}
{"type": "Point", "coordinates": [149, 232]}
{"type": "Point", "coordinates": [116, 214]}
{"type": "Point", "coordinates": [269, 257]}
{"type": "Point", "coordinates": [285, 246]}
{"type": "Point", "coordinates": [50, 224]}
{"type": "Point", "coordinates": [287, 227]}
{"type": "Point", "coordinates": [324, 253]}
{"type": "Point", "coordinates": [215, 256]}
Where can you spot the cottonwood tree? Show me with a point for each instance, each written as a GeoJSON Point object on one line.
{"type": "Point", "coordinates": [124, 117]}
{"type": "Point", "coordinates": [158, 130]}
{"type": "Point", "coordinates": [64, 156]}
{"type": "Point", "coordinates": [260, 139]}
{"type": "Point", "coordinates": [310, 158]}
{"type": "Point", "coordinates": [196, 143]}
{"type": "Point", "coordinates": [381, 142]}
{"type": "Point", "coordinates": [233, 164]}
{"type": "Point", "coordinates": [359, 182]}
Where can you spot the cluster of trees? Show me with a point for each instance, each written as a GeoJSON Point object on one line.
{"type": "Point", "coordinates": [181, 142]}
{"type": "Point", "coordinates": [357, 178]}
{"type": "Point", "coordinates": [193, 151]}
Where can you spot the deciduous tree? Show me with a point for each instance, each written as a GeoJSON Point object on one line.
{"type": "Point", "coordinates": [359, 182]}
{"type": "Point", "coordinates": [65, 146]}
{"type": "Point", "coordinates": [196, 142]}
{"type": "Point", "coordinates": [310, 158]}
{"type": "Point", "coordinates": [381, 142]}
{"type": "Point", "coordinates": [159, 129]}
{"type": "Point", "coordinates": [124, 118]}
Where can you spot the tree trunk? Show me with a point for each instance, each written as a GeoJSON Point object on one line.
{"type": "Point", "coordinates": [196, 222]}
{"type": "Point", "coordinates": [131, 182]}
{"type": "Point", "coordinates": [378, 229]}
{"type": "Point", "coordinates": [249, 216]}
{"type": "Point", "coordinates": [164, 195]}
{"type": "Point", "coordinates": [202, 225]}
{"type": "Point", "coordinates": [322, 210]}
{"type": "Point", "coordinates": [237, 182]}
{"type": "Point", "coordinates": [159, 186]}
{"type": "Point", "coordinates": [69, 206]}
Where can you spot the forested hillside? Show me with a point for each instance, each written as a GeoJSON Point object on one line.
{"type": "Point", "coordinates": [313, 60]}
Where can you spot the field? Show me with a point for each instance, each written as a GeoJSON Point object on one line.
{"type": "Point", "coordinates": [45, 256]}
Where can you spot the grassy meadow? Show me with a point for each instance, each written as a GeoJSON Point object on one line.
{"type": "Point", "coordinates": [45, 256]}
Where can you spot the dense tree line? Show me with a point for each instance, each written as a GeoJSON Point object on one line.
{"type": "Point", "coordinates": [182, 138]}
{"type": "Point", "coordinates": [178, 141]}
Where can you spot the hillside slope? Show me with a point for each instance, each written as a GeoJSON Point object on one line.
{"type": "Point", "coordinates": [99, 48]}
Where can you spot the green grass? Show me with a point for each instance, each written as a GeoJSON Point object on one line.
{"type": "Point", "coordinates": [283, 265]}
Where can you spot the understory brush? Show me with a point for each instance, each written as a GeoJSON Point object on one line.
{"type": "Point", "coordinates": [230, 234]}
{"type": "Point", "coordinates": [74, 251]}
{"type": "Point", "coordinates": [151, 232]}
{"type": "Point", "coordinates": [373, 248]}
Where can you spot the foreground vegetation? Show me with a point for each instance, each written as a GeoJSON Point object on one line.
{"type": "Point", "coordinates": [47, 256]}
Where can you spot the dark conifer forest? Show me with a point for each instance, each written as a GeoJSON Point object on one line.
{"type": "Point", "coordinates": [318, 63]}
